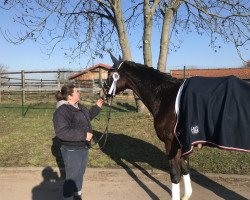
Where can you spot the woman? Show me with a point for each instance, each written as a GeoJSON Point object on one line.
{"type": "Point", "coordinates": [72, 126]}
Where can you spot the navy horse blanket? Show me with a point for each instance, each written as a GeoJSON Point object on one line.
{"type": "Point", "coordinates": [215, 111]}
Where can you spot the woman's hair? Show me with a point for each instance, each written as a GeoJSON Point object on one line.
{"type": "Point", "coordinates": [66, 90]}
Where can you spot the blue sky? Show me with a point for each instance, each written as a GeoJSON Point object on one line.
{"type": "Point", "coordinates": [194, 51]}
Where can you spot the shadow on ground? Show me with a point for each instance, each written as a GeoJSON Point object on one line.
{"type": "Point", "coordinates": [125, 149]}
{"type": "Point", "coordinates": [49, 188]}
{"type": "Point", "coordinates": [127, 152]}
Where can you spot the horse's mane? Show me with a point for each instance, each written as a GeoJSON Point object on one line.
{"type": "Point", "coordinates": [153, 76]}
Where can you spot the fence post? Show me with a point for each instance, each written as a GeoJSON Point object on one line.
{"type": "Point", "coordinates": [41, 91]}
{"type": "Point", "coordinates": [58, 80]}
{"type": "Point", "coordinates": [23, 85]}
{"type": "Point", "coordinates": [23, 91]}
{"type": "Point", "coordinates": [184, 73]}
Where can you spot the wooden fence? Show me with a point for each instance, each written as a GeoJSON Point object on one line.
{"type": "Point", "coordinates": [18, 82]}
{"type": "Point", "coordinates": [38, 93]}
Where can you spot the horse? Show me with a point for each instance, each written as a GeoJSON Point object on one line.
{"type": "Point", "coordinates": [159, 93]}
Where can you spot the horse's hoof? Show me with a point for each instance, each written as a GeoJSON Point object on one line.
{"type": "Point", "coordinates": [185, 197]}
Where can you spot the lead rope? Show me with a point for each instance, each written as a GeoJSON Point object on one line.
{"type": "Point", "coordinates": [105, 133]}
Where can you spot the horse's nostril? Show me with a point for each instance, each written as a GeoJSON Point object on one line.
{"type": "Point", "coordinates": [105, 85]}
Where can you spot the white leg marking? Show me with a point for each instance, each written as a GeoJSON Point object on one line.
{"type": "Point", "coordinates": [175, 191]}
{"type": "Point", "coordinates": [187, 187]}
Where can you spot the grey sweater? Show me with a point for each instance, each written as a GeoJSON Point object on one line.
{"type": "Point", "coordinates": [72, 124]}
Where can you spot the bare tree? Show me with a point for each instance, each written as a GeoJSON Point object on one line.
{"type": "Point", "coordinates": [228, 20]}
{"type": "Point", "coordinates": [247, 64]}
{"type": "Point", "coordinates": [94, 27]}
{"type": "Point", "coordinates": [97, 25]}
{"type": "Point", "coordinates": [216, 18]}
{"type": "Point", "coordinates": [3, 69]}
{"type": "Point", "coordinates": [149, 11]}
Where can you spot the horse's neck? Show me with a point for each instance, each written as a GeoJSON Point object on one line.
{"type": "Point", "coordinates": [149, 93]}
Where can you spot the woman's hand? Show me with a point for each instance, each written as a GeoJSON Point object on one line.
{"type": "Point", "coordinates": [89, 136]}
{"type": "Point", "coordinates": [99, 103]}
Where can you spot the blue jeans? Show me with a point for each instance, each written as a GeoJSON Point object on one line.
{"type": "Point", "coordinates": [75, 161]}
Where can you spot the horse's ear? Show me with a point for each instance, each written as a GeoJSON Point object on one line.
{"type": "Point", "coordinates": [120, 58]}
{"type": "Point", "coordinates": [113, 58]}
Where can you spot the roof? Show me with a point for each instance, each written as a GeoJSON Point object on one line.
{"type": "Point", "coordinates": [243, 73]}
{"type": "Point", "coordinates": [100, 65]}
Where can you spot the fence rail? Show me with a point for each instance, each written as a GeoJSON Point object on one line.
{"type": "Point", "coordinates": [22, 84]}
{"type": "Point", "coordinates": [48, 90]}
{"type": "Point", "coordinates": [18, 83]}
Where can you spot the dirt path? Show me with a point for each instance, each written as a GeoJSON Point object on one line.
{"type": "Point", "coordinates": [117, 184]}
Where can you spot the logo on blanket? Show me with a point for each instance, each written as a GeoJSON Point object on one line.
{"type": "Point", "coordinates": [194, 130]}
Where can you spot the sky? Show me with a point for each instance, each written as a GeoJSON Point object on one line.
{"type": "Point", "coordinates": [194, 51]}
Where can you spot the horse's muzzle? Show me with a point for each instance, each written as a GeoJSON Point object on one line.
{"type": "Point", "coordinates": [105, 89]}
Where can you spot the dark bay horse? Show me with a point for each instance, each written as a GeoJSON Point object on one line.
{"type": "Point", "coordinates": [158, 91]}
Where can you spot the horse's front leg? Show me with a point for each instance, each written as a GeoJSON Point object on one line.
{"type": "Point", "coordinates": [178, 166]}
{"type": "Point", "coordinates": [186, 178]}
{"type": "Point", "coordinates": [174, 156]}
{"type": "Point", "coordinates": [175, 174]}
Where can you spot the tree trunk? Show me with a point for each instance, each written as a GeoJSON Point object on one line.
{"type": "Point", "coordinates": [123, 40]}
{"type": "Point", "coordinates": [121, 29]}
{"type": "Point", "coordinates": [147, 52]}
{"type": "Point", "coordinates": [165, 34]}
{"type": "Point", "coordinates": [162, 61]}
{"type": "Point", "coordinates": [147, 34]}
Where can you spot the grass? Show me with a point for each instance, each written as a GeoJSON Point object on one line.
{"type": "Point", "coordinates": [132, 142]}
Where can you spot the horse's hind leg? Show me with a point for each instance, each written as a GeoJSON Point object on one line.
{"type": "Point", "coordinates": [186, 178]}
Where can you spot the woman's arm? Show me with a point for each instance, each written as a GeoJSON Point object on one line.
{"type": "Point", "coordinates": [95, 110]}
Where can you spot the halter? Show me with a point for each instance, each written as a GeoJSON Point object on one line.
{"type": "Point", "coordinates": [115, 77]}
{"type": "Point", "coordinates": [120, 65]}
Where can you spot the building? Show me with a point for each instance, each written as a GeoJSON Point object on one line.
{"type": "Point", "coordinates": [92, 78]}
{"type": "Point", "coordinates": [242, 73]}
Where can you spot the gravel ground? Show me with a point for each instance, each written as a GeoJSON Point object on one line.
{"type": "Point", "coordinates": [117, 184]}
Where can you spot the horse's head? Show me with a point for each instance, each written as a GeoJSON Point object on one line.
{"type": "Point", "coordinates": [116, 82]}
